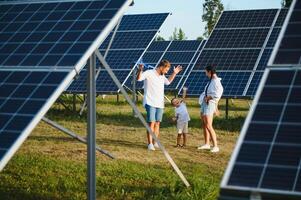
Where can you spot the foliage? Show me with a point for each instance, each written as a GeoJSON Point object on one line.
{"type": "Point", "coordinates": [286, 3]}
{"type": "Point", "coordinates": [200, 38]}
{"type": "Point", "coordinates": [178, 34]}
{"type": "Point", "coordinates": [159, 38]}
{"type": "Point", "coordinates": [212, 9]}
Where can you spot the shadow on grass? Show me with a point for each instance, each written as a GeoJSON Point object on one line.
{"type": "Point", "coordinates": [121, 143]}
{"type": "Point", "coordinates": [127, 119]}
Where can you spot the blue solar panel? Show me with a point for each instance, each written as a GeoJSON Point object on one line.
{"type": "Point", "coordinates": [42, 46]}
{"type": "Point", "coordinates": [234, 59]}
{"type": "Point", "coordinates": [130, 40]}
{"type": "Point", "coordinates": [142, 21]}
{"type": "Point", "coordinates": [23, 95]}
{"type": "Point", "coordinates": [128, 46]}
{"type": "Point", "coordinates": [254, 84]}
{"type": "Point", "coordinates": [233, 82]}
{"type": "Point", "coordinates": [177, 53]}
{"type": "Point", "coordinates": [158, 46]}
{"type": "Point", "coordinates": [246, 18]}
{"type": "Point", "coordinates": [288, 49]}
{"type": "Point", "coordinates": [241, 41]}
{"type": "Point", "coordinates": [232, 38]}
{"type": "Point", "coordinates": [43, 34]}
{"type": "Point", "coordinates": [267, 156]}
{"type": "Point", "coordinates": [187, 45]}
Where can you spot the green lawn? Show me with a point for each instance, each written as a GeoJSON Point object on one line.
{"type": "Point", "coordinates": [51, 165]}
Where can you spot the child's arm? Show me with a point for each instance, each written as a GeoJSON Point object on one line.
{"type": "Point", "coordinates": [184, 93]}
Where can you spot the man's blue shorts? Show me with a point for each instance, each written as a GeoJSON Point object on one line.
{"type": "Point", "coordinates": [153, 114]}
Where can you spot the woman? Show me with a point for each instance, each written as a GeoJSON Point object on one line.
{"type": "Point", "coordinates": [208, 101]}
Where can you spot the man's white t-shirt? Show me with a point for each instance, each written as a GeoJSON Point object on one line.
{"type": "Point", "coordinates": [182, 113]}
{"type": "Point", "coordinates": [153, 88]}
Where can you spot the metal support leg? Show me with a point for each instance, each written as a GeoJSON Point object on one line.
{"type": "Point", "coordinates": [106, 53]}
{"type": "Point", "coordinates": [75, 136]}
{"type": "Point", "coordinates": [134, 88]}
{"type": "Point", "coordinates": [91, 128]}
{"type": "Point", "coordinates": [227, 108]}
{"type": "Point", "coordinates": [139, 115]}
{"type": "Point", "coordinates": [74, 103]}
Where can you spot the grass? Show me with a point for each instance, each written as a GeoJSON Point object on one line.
{"type": "Point", "coordinates": [51, 165]}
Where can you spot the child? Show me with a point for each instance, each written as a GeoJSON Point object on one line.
{"type": "Point", "coordinates": [182, 118]}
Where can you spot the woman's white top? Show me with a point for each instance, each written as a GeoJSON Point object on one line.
{"type": "Point", "coordinates": [215, 90]}
{"type": "Point", "coordinates": [153, 88]}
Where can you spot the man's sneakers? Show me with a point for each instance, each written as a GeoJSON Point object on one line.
{"type": "Point", "coordinates": [204, 147]}
{"type": "Point", "coordinates": [151, 147]}
{"type": "Point", "coordinates": [207, 147]}
{"type": "Point", "coordinates": [156, 145]}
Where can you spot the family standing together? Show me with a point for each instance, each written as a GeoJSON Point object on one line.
{"type": "Point", "coordinates": [153, 101]}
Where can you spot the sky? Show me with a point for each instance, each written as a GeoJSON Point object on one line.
{"type": "Point", "coordinates": [187, 14]}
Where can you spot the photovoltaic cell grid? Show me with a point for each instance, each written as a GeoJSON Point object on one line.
{"type": "Point", "coordinates": [133, 35]}
{"type": "Point", "coordinates": [51, 34]}
{"type": "Point", "coordinates": [268, 157]}
{"type": "Point", "coordinates": [177, 52]}
{"type": "Point", "coordinates": [266, 54]}
{"type": "Point", "coordinates": [23, 94]}
{"type": "Point", "coordinates": [36, 38]}
{"type": "Point", "coordinates": [288, 51]}
{"type": "Point", "coordinates": [239, 46]}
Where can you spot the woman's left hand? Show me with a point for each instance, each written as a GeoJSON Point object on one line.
{"type": "Point", "coordinates": [207, 99]}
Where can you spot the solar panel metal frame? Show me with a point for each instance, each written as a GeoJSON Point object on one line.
{"type": "Point", "coordinates": [281, 36]}
{"type": "Point", "coordinates": [239, 143]}
{"type": "Point", "coordinates": [78, 66]}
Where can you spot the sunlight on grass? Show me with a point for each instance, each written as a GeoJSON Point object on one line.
{"type": "Point", "coordinates": [51, 165]}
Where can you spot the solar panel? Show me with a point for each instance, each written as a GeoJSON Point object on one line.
{"type": "Point", "coordinates": [288, 47]}
{"type": "Point", "coordinates": [133, 36]}
{"type": "Point", "coordinates": [178, 52]}
{"type": "Point", "coordinates": [23, 95]}
{"type": "Point", "coordinates": [39, 34]}
{"type": "Point", "coordinates": [42, 47]}
{"type": "Point", "coordinates": [267, 158]}
{"type": "Point", "coordinates": [239, 45]}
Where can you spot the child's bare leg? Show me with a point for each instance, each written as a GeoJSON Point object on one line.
{"type": "Point", "coordinates": [184, 139]}
{"type": "Point", "coordinates": [178, 139]}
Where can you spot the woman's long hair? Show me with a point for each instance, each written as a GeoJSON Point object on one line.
{"type": "Point", "coordinates": [212, 70]}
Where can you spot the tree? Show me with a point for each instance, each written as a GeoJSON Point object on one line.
{"type": "Point", "coordinates": [178, 34]}
{"type": "Point", "coordinates": [286, 3]}
{"type": "Point", "coordinates": [181, 35]}
{"type": "Point", "coordinates": [200, 38]}
{"type": "Point", "coordinates": [159, 38]}
{"type": "Point", "coordinates": [212, 9]}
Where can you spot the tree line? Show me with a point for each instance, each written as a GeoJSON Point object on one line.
{"type": "Point", "coordinates": [212, 9]}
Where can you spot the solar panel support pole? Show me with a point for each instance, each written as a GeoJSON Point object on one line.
{"type": "Point", "coordinates": [74, 102]}
{"type": "Point", "coordinates": [139, 115]}
{"type": "Point", "coordinates": [227, 108]}
{"type": "Point", "coordinates": [91, 128]}
{"type": "Point", "coordinates": [106, 54]}
{"type": "Point", "coordinates": [134, 89]}
{"type": "Point", "coordinates": [75, 136]}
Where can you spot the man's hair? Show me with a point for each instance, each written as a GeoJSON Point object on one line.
{"type": "Point", "coordinates": [164, 63]}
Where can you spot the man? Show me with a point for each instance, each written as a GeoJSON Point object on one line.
{"type": "Point", "coordinates": [153, 101]}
